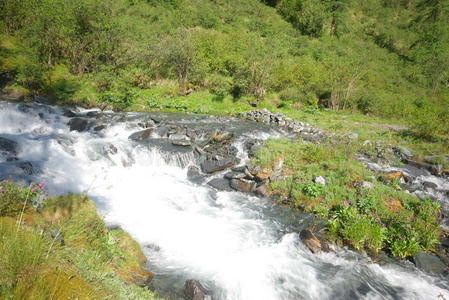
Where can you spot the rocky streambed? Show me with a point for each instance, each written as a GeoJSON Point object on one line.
{"type": "Point", "coordinates": [182, 186]}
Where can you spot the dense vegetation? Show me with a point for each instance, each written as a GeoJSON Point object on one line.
{"type": "Point", "coordinates": [362, 210]}
{"type": "Point", "coordinates": [59, 248]}
{"type": "Point", "coordinates": [386, 58]}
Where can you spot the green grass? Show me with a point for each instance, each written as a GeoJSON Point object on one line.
{"type": "Point", "coordinates": [91, 263]}
{"type": "Point", "coordinates": [383, 217]}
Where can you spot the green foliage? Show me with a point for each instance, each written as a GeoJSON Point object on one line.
{"type": "Point", "coordinates": [378, 57]}
{"type": "Point", "coordinates": [383, 217]}
{"type": "Point", "coordinates": [91, 263]}
{"type": "Point", "coordinates": [312, 189]}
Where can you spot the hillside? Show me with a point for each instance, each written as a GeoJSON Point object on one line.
{"type": "Point", "coordinates": [383, 58]}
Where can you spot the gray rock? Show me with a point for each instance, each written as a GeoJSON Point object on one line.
{"type": "Point", "coordinates": [235, 175]}
{"type": "Point", "coordinates": [429, 184]}
{"type": "Point", "coordinates": [99, 127]}
{"type": "Point", "coordinates": [367, 185]}
{"type": "Point", "coordinates": [429, 263]}
{"type": "Point", "coordinates": [77, 124]}
{"type": "Point", "coordinates": [69, 113]}
{"type": "Point", "coordinates": [177, 136]}
{"type": "Point", "coordinates": [320, 180]}
{"type": "Point", "coordinates": [141, 135]}
{"type": "Point", "coordinates": [403, 152]}
{"type": "Point", "coordinates": [162, 131]}
{"type": "Point", "coordinates": [8, 147]}
{"type": "Point", "coordinates": [243, 185]}
{"type": "Point", "coordinates": [211, 166]}
{"type": "Point", "coordinates": [193, 290]}
{"type": "Point", "coordinates": [220, 184]}
{"type": "Point", "coordinates": [182, 143]}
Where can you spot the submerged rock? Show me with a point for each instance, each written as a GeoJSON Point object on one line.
{"type": "Point", "coordinates": [193, 290]}
{"type": "Point", "coordinates": [429, 263]}
{"type": "Point", "coordinates": [8, 147]}
{"type": "Point", "coordinates": [77, 124]}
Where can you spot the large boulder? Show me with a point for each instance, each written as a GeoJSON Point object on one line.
{"type": "Point", "coordinates": [211, 166]}
{"type": "Point", "coordinates": [193, 290]}
{"type": "Point", "coordinates": [8, 147]}
{"type": "Point", "coordinates": [78, 124]}
{"type": "Point", "coordinates": [429, 263]}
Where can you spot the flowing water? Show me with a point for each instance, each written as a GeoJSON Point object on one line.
{"type": "Point", "coordinates": [239, 246]}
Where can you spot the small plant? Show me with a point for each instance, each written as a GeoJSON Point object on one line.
{"type": "Point", "coordinates": [153, 104]}
{"type": "Point", "coordinates": [312, 189]}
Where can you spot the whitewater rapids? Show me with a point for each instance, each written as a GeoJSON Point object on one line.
{"type": "Point", "coordinates": [237, 245]}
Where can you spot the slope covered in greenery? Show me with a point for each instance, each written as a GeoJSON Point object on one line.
{"type": "Point", "coordinates": [61, 249]}
{"type": "Point", "coordinates": [386, 58]}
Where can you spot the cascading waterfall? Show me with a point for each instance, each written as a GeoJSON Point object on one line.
{"type": "Point", "coordinates": [239, 246]}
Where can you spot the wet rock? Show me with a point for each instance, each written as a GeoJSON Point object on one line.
{"type": "Point", "coordinates": [320, 180]}
{"type": "Point", "coordinates": [240, 169]}
{"type": "Point", "coordinates": [220, 184]}
{"type": "Point", "coordinates": [162, 131]}
{"type": "Point", "coordinates": [26, 167]}
{"type": "Point", "coordinates": [141, 135]}
{"type": "Point", "coordinates": [92, 114]}
{"type": "Point", "coordinates": [112, 149]}
{"type": "Point", "coordinates": [16, 170]}
{"type": "Point", "coordinates": [262, 191]}
{"type": "Point", "coordinates": [235, 175]}
{"type": "Point", "coordinates": [68, 113]}
{"type": "Point", "coordinates": [193, 290]}
{"type": "Point", "coordinates": [212, 166]}
{"type": "Point", "coordinates": [8, 147]}
{"type": "Point", "coordinates": [222, 137]}
{"type": "Point", "coordinates": [429, 263]}
{"type": "Point", "coordinates": [193, 174]}
{"type": "Point", "coordinates": [430, 185]}
{"type": "Point", "coordinates": [99, 127]}
{"type": "Point", "coordinates": [243, 185]}
{"type": "Point", "coordinates": [178, 136]}
{"type": "Point", "coordinates": [312, 242]}
{"type": "Point", "coordinates": [78, 124]}
{"type": "Point", "coordinates": [182, 143]}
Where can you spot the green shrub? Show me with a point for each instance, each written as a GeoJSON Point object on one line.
{"type": "Point", "coordinates": [312, 189]}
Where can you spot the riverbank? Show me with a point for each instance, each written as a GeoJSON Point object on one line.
{"type": "Point", "coordinates": [59, 248]}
